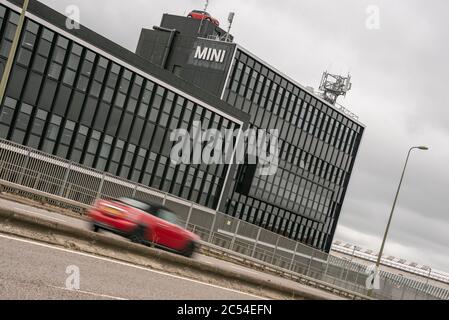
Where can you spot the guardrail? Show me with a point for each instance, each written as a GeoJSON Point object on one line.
{"type": "Point", "coordinates": [42, 177]}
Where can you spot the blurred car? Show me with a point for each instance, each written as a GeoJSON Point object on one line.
{"type": "Point", "coordinates": [203, 15]}
{"type": "Point", "coordinates": [144, 223]}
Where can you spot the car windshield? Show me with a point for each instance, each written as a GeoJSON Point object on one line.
{"type": "Point", "coordinates": [168, 216]}
{"type": "Point", "coordinates": [134, 203]}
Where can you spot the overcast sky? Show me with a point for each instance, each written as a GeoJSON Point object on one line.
{"type": "Point", "coordinates": [400, 91]}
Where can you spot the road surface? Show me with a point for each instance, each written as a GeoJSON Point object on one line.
{"type": "Point", "coordinates": [31, 270]}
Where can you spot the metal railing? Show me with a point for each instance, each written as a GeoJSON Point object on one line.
{"type": "Point", "coordinates": [73, 186]}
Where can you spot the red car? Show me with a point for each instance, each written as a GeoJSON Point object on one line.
{"type": "Point", "coordinates": [144, 223]}
{"type": "Point", "coordinates": [203, 15]}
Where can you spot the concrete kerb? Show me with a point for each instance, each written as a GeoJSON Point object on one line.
{"type": "Point", "coordinates": [36, 228]}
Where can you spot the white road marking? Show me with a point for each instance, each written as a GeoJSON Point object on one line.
{"type": "Point", "coordinates": [126, 264]}
{"type": "Point", "coordinates": [89, 293]}
{"type": "Point", "coordinates": [39, 214]}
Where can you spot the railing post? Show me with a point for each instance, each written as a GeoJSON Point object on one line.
{"type": "Point", "coordinates": [133, 195]}
{"type": "Point", "coordinates": [235, 234]}
{"type": "Point", "coordinates": [66, 177]}
{"type": "Point", "coordinates": [293, 258]}
{"type": "Point", "coordinates": [356, 277]}
{"type": "Point", "coordinates": [24, 166]}
{"type": "Point", "coordinates": [100, 187]}
{"type": "Point", "coordinates": [310, 262]}
{"type": "Point", "coordinates": [275, 249]}
{"type": "Point", "coordinates": [327, 268]}
{"type": "Point", "coordinates": [255, 243]}
{"type": "Point", "coordinates": [164, 199]}
{"type": "Point", "coordinates": [343, 268]}
{"type": "Point", "coordinates": [36, 182]}
{"type": "Point", "coordinates": [347, 272]}
{"type": "Point", "coordinates": [69, 187]}
{"type": "Point", "coordinates": [189, 215]}
{"type": "Point", "coordinates": [211, 232]}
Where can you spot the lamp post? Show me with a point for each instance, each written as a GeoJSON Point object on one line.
{"type": "Point", "coordinates": [12, 51]}
{"type": "Point", "coordinates": [353, 252]}
{"type": "Point", "coordinates": [350, 261]}
{"type": "Point", "coordinates": [379, 257]}
{"type": "Point", "coordinates": [428, 278]}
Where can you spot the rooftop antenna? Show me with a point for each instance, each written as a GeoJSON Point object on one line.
{"type": "Point", "coordinates": [206, 4]}
{"type": "Point", "coordinates": [230, 20]}
{"type": "Point", "coordinates": [333, 86]}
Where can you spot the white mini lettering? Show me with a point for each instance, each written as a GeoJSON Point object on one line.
{"type": "Point", "coordinates": [210, 54]}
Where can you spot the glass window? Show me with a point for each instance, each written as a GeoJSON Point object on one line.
{"type": "Point", "coordinates": [83, 82]}
{"type": "Point", "coordinates": [102, 114]}
{"type": "Point", "coordinates": [90, 56]}
{"type": "Point", "coordinates": [24, 57]}
{"type": "Point", "coordinates": [114, 121]}
{"type": "Point", "coordinates": [135, 203]}
{"type": "Point", "coordinates": [168, 216]}
{"type": "Point", "coordinates": [54, 71]}
{"type": "Point", "coordinates": [89, 111]}
{"type": "Point", "coordinates": [39, 122]}
{"type": "Point", "coordinates": [24, 116]}
{"type": "Point", "coordinates": [69, 77]}
{"type": "Point", "coordinates": [6, 115]}
{"type": "Point", "coordinates": [52, 134]}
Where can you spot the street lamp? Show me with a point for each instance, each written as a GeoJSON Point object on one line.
{"type": "Point", "coordinates": [350, 261]}
{"type": "Point", "coordinates": [428, 278]}
{"type": "Point", "coordinates": [379, 257]}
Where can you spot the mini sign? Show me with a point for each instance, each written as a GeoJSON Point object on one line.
{"type": "Point", "coordinates": [210, 54]}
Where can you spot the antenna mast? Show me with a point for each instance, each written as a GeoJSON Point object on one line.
{"type": "Point", "coordinates": [333, 86]}
{"type": "Point", "coordinates": [206, 4]}
{"type": "Point", "coordinates": [230, 20]}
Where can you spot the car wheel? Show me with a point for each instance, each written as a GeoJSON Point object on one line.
{"type": "Point", "coordinates": [189, 249]}
{"type": "Point", "coordinates": [95, 228]}
{"type": "Point", "coordinates": [138, 236]}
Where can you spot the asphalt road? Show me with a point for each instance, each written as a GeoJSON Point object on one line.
{"type": "Point", "coordinates": [32, 270]}
{"type": "Point", "coordinates": [43, 275]}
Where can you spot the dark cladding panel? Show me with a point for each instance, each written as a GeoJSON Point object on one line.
{"type": "Point", "coordinates": [153, 46]}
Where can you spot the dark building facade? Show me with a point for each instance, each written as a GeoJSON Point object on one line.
{"type": "Point", "coordinates": [170, 47]}
{"type": "Point", "coordinates": [77, 95]}
{"type": "Point", "coordinates": [318, 142]}
{"type": "Point", "coordinates": [318, 147]}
